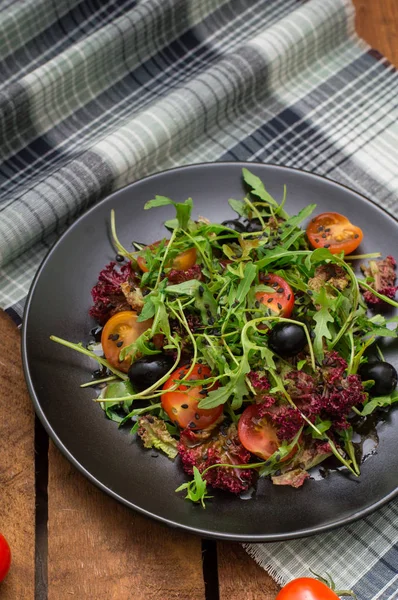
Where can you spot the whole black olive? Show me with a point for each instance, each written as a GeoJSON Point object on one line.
{"type": "Point", "coordinates": [384, 375]}
{"type": "Point", "coordinates": [253, 225]}
{"type": "Point", "coordinates": [287, 339]}
{"type": "Point", "coordinates": [236, 226]}
{"type": "Point", "coordinates": [147, 370]}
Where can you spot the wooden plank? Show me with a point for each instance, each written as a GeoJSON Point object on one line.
{"type": "Point", "coordinates": [100, 550]}
{"type": "Point", "coordinates": [17, 483]}
{"type": "Point", "coordinates": [377, 23]}
{"type": "Point", "coordinates": [240, 578]}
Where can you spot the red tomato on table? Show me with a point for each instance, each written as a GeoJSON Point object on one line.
{"type": "Point", "coordinates": [306, 588]}
{"type": "Point", "coordinates": [5, 557]}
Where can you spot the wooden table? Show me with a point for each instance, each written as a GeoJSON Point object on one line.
{"type": "Point", "coordinates": [68, 539]}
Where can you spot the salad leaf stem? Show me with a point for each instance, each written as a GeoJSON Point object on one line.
{"type": "Point", "coordinates": [167, 249]}
{"type": "Point", "coordinates": [80, 348]}
{"type": "Point", "coordinates": [98, 381]}
{"type": "Point", "coordinates": [255, 211]}
{"type": "Point", "coordinates": [362, 256]}
{"type": "Point", "coordinates": [369, 288]}
{"type": "Point", "coordinates": [145, 394]}
{"type": "Point", "coordinates": [141, 411]}
{"type": "Point", "coordinates": [119, 247]}
{"type": "Point", "coordinates": [355, 301]}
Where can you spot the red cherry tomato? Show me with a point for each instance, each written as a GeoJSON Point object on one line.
{"type": "Point", "coordinates": [5, 557]}
{"type": "Point", "coordinates": [182, 262]}
{"type": "Point", "coordinates": [306, 588]}
{"type": "Point", "coordinates": [121, 330]}
{"type": "Point", "coordinates": [181, 405]}
{"type": "Point", "coordinates": [256, 433]}
{"type": "Point", "coordinates": [281, 301]}
{"type": "Point", "coordinates": [334, 231]}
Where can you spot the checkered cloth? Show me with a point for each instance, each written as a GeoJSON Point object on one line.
{"type": "Point", "coordinates": [96, 94]}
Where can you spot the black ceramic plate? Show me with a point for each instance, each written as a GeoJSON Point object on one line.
{"type": "Point", "coordinates": [111, 458]}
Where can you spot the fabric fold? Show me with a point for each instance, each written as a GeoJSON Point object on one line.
{"type": "Point", "coordinates": [199, 106]}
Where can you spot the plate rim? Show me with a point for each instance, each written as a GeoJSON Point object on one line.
{"type": "Point", "coordinates": [204, 533]}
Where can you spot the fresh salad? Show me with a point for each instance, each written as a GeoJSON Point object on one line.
{"type": "Point", "coordinates": [245, 349]}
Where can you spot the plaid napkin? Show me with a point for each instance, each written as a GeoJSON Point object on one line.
{"type": "Point", "coordinates": [94, 95]}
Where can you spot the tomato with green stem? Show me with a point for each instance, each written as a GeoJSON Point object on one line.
{"type": "Point", "coordinates": [307, 588]}
{"type": "Point", "coordinates": [181, 404]}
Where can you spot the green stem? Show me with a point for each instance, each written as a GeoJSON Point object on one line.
{"type": "Point", "coordinates": [203, 254]}
{"type": "Point", "coordinates": [97, 381]}
{"type": "Point", "coordinates": [351, 453]}
{"type": "Point", "coordinates": [377, 294]}
{"type": "Point", "coordinates": [145, 394]}
{"type": "Point", "coordinates": [355, 301]}
{"type": "Point", "coordinates": [140, 411]}
{"type": "Point", "coordinates": [362, 256]}
{"type": "Point", "coordinates": [352, 351]}
{"type": "Point", "coordinates": [162, 263]}
{"type": "Point", "coordinates": [256, 212]}
{"type": "Point", "coordinates": [119, 247]}
{"type": "Point", "coordinates": [82, 350]}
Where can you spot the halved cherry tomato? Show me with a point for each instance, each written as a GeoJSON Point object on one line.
{"type": "Point", "coordinates": [121, 330]}
{"type": "Point", "coordinates": [183, 261]}
{"type": "Point", "coordinates": [5, 557]}
{"type": "Point", "coordinates": [281, 301]}
{"type": "Point", "coordinates": [181, 405]}
{"type": "Point", "coordinates": [256, 433]}
{"type": "Point", "coordinates": [335, 232]}
{"type": "Point", "coordinates": [306, 588]}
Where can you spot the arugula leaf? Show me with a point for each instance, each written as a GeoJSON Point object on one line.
{"type": "Point", "coordinates": [379, 402]}
{"type": "Point", "coordinates": [304, 213]}
{"type": "Point", "coordinates": [139, 346]}
{"type": "Point", "coordinates": [238, 206]}
{"type": "Point", "coordinates": [148, 310]}
{"type": "Point", "coordinates": [187, 288]}
{"type": "Point", "coordinates": [196, 489]}
{"type": "Point", "coordinates": [184, 212]}
{"type": "Point", "coordinates": [183, 209]}
{"type": "Point", "coordinates": [236, 387]}
{"type": "Point", "coordinates": [273, 462]}
{"type": "Point", "coordinates": [322, 319]}
{"type": "Point", "coordinates": [249, 276]}
{"type": "Point", "coordinates": [322, 427]}
{"type": "Point", "coordinates": [259, 190]}
{"type": "Point", "coordinates": [258, 187]}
